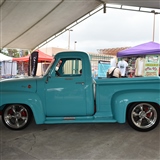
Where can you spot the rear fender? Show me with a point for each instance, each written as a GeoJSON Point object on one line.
{"type": "Point", "coordinates": [29, 99]}
{"type": "Point", "coordinates": [121, 100]}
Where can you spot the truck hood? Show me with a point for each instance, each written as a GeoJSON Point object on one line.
{"type": "Point", "coordinates": [27, 84]}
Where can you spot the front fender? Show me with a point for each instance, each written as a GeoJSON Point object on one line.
{"type": "Point", "coordinates": [121, 100]}
{"type": "Point", "coordinates": [30, 99]}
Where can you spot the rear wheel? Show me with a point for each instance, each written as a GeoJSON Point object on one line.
{"type": "Point", "coordinates": [143, 116]}
{"type": "Point", "coordinates": [16, 116]}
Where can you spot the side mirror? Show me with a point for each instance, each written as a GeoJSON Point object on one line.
{"type": "Point", "coordinates": [48, 76]}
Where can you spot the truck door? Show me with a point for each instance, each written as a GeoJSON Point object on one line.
{"type": "Point", "coordinates": [66, 90]}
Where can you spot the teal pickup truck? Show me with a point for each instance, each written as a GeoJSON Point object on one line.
{"type": "Point", "coordinates": [66, 95]}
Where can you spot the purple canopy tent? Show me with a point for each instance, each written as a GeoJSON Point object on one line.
{"type": "Point", "coordinates": [142, 49]}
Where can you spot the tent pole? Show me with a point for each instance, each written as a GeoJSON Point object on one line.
{"type": "Point", "coordinates": [153, 11]}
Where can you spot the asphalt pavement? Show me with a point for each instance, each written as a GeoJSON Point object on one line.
{"type": "Point", "coordinates": [79, 142]}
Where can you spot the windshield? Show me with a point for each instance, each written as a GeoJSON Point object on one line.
{"type": "Point", "coordinates": [47, 70]}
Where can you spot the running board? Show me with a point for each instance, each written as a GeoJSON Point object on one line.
{"type": "Point", "coordinates": [85, 119]}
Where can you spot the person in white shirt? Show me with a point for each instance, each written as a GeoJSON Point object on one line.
{"type": "Point", "coordinates": [113, 62]}
{"type": "Point", "coordinates": [122, 65]}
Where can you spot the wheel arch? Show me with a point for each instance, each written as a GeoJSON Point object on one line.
{"type": "Point", "coordinates": [121, 101]}
{"type": "Point", "coordinates": [31, 100]}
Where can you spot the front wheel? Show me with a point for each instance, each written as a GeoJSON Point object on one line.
{"type": "Point", "coordinates": [16, 116]}
{"type": "Point", "coordinates": [143, 116]}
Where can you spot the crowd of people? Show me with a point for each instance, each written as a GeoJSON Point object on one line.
{"type": "Point", "coordinates": [131, 68]}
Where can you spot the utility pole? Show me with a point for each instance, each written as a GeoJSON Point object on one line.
{"type": "Point", "coordinates": [69, 38]}
{"type": "Point", "coordinates": [153, 11]}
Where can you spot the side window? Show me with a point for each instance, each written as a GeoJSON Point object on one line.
{"type": "Point", "coordinates": [72, 67]}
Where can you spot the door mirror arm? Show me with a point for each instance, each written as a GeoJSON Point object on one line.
{"type": "Point", "coordinates": [48, 76]}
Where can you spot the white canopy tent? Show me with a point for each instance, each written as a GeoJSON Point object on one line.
{"type": "Point", "coordinates": [5, 58]}
{"type": "Point", "coordinates": [8, 68]}
{"type": "Point", "coordinates": [27, 24]}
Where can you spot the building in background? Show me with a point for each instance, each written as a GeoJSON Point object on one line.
{"type": "Point", "coordinates": [111, 51]}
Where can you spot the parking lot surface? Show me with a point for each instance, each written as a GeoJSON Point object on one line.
{"type": "Point", "coordinates": [79, 141]}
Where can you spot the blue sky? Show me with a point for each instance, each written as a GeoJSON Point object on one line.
{"type": "Point", "coordinates": [116, 28]}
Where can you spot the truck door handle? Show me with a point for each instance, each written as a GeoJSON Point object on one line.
{"type": "Point", "coordinates": [82, 83]}
{"type": "Point", "coordinates": [68, 78]}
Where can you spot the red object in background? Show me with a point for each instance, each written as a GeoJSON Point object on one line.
{"type": "Point", "coordinates": [130, 75]}
{"type": "Point", "coordinates": [42, 57]}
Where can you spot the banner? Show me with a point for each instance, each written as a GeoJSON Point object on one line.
{"type": "Point", "coordinates": [103, 67]}
{"type": "Point", "coordinates": [33, 62]}
{"type": "Point", "coordinates": [151, 65]}
{"type": "Point", "coordinates": [29, 66]}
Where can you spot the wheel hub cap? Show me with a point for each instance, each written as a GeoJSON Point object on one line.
{"type": "Point", "coordinates": [142, 114]}
{"type": "Point", "coordinates": [17, 115]}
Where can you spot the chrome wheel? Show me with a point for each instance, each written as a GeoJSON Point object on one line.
{"type": "Point", "coordinates": [143, 116]}
{"type": "Point", "coordinates": [16, 116]}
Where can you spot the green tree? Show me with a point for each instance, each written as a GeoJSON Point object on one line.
{"type": "Point", "coordinates": [13, 53]}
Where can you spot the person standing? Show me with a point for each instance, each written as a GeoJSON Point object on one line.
{"type": "Point", "coordinates": [113, 62]}
{"type": "Point", "coordinates": [122, 65]}
{"type": "Point", "coordinates": [113, 72]}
